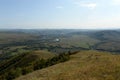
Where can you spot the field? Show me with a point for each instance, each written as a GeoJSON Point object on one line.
{"type": "Point", "coordinates": [8, 37]}
{"type": "Point", "coordinates": [83, 41]}
{"type": "Point", "coordinates": [24, 51]}
{"type": "Point", "coordinates": [85, 65]}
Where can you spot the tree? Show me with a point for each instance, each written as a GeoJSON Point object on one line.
{"type": "Point", "coordinates": [12, 74]}
{"type": "Point", "coordinates": [26, 70]}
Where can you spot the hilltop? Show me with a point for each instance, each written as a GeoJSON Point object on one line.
{"type": "Point", "coordinates": [85, 65]}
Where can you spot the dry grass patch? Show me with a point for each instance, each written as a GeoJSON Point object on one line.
{"type": "Point", "coordinates": [85, 65]}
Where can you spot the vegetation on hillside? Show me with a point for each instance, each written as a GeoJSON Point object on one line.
{"type": "Point", "coordinates": [29, 62]}
{"type": "Point", "coordinates": [85, 65]}
{"type": "Point", "coordinates": [21, 51]}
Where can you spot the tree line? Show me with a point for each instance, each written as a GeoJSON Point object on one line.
{"type": "Point", "coordinates": [38, 64]}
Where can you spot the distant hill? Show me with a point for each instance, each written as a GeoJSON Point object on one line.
{"type": "Point", "coordinates": [85, 65]}
{"type": "Point", "coordinates": [109, 40]}
{"type": "Point", "coordinates": [23, 51]}
{"type": "Point", "coordinates": [12, 37]}
{"type": "Point", "coordinates": [107, 35]}
{"type": "Point", "coordinates": [105, 40]}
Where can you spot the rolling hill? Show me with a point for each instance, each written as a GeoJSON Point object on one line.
{"type": "Point", "coordinates": [85, 65]}
{"type": "Point", "coordinates": [10, 37]}
{"type": "Point", "coordinates": [109, 40]}
{"type": "Point", "coordinates": [25, 51]}
{"type": "Point", "coordinates": [23, 61]}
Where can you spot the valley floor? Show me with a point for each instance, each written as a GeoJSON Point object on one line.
{"type": "Point", "coordinates": [85, 65]}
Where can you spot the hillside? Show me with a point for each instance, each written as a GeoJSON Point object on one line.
{"type": "Point", "coordinates": [109, 40]}
{"type": "Point", "coordinates": [10, 37]}
{"type": "Point", "coordinates": [107, 35]}
{"type": "Point", "coordinates": [23, 61]}
{"type": "Point", "coordinates": [85, 65]}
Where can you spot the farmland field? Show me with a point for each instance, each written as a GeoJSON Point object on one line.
{"type": "Point", "coordinates": [83, 41]}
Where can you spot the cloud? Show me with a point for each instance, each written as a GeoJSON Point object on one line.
{"type": "Point", "coordinates": [59, 7]}
{"type": "Point", "coordinates": [89, 5]}
{"type": "Point", "coordinates": [86, 4]}
{"type": "Point", "coordinates": [115, 2]}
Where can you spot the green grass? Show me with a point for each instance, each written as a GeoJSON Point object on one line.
{"type": "Point", "coordinates": [12, 51]}
{"type": "Point", "coordinates": [43, 54]}
{"type": "Point", "coordinates": [24, 60]}
{"type": "Point", "coordinates": [33, 56]}
{"type": "Point", "coordinates": [85, 65]}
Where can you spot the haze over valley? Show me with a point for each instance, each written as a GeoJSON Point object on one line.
{"type": "Point", "coordinates": [59, 40]}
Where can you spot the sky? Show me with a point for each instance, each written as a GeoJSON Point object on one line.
{"type": "Point", "coordinates": [59, 14]}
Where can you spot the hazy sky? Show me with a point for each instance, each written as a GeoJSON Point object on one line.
{"type": "Point", "coordinates": [82, 14]}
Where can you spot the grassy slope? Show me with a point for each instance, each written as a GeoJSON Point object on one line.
{"type": "Point", "coordinates": [33, 56]}
{"type": "Point", "coordinates": [43, 54]}
{"type": "Point", "coordinates": [25, 60]}
{"type": "Point", "coordinates": [85, 65]}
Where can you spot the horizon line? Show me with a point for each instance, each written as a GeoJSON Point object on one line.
{"type": "Point", "coordinates": [59, 29]}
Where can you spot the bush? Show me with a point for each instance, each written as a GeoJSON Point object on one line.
{"type": "Point", "coordinates": [13, 74]}
{"type": "Point", "coordinates": [39, 64]}
{"type": "Point", "coordinates": [26, 70]}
